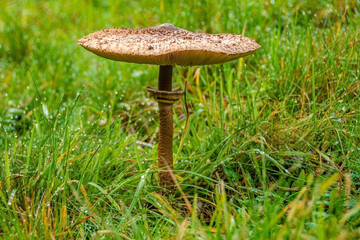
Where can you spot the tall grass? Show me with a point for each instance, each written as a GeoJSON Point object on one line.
{"type": "Point", "coordinates": [270, 151]}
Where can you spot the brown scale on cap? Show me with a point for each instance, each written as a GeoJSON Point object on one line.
{"type": "Point", "coordinates": [167, 45]}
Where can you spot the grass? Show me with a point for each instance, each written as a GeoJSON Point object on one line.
{"type": "Point", "coordinates": [271, 150]}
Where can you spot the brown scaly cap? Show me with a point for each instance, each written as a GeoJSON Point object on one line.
{"type": "Point", "coordinates": [167, 45]}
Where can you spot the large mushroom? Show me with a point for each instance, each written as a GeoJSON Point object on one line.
{"type": "Point", "coordinates": [167, 46]}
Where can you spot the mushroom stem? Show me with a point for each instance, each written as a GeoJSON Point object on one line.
{"type": "Point", "coordinates": [165, 152]}
{"type": "Point", "coordinates": [166, 97]}
{"type": "Point", "coordinates": [165, 78]}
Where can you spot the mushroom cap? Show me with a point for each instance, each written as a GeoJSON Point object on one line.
{"type": "Point", "coordinates": [167, 45]}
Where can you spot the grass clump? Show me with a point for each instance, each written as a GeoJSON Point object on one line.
{"type": "Point", "coordinates": [271, 150]}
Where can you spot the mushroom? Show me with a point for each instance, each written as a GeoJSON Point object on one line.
{"type": "Point", "coordinates": [167, 46]}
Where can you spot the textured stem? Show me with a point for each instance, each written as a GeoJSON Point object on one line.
{"type": "Point", "coordinates": [165, 153]}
